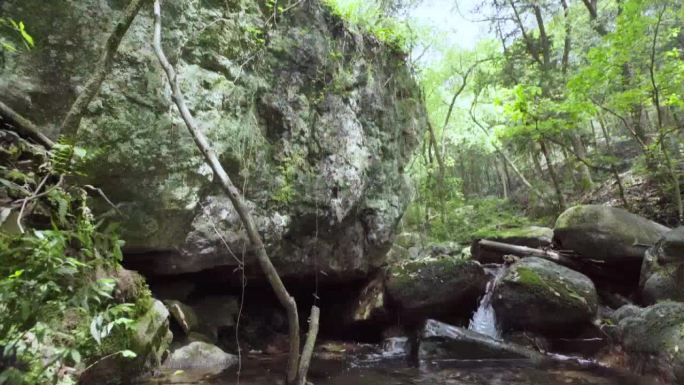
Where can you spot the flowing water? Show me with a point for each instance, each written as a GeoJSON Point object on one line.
{"type": "Point", "coordinates": [391, 364]}
{"type": "Point", "coordinates": [269, 371]}
{"type": "Point", "coordinates": [484, 319]}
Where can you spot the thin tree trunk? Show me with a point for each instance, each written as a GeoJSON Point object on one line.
{"type": "Point", "coordinates": [285, 299]}
{"type": "Point", "coordinates": [578, 148]}
{"type": "Point", "coordinates": [307, 351]}
{"type": "Point", "coordinates": [593, 135]}
{"type": "Point", "coordinates": [537, 165]}
{"type": "Point", "coordinates": [554, 177]}
{"type": "Point", "coordinates": [677, 194]}
{"type": "Point", "coordinates": [570, 168]}
{"type": "Point", "coordinates": [72, 120]}
{"type": "Point", "coordinates": [613, 168]}
{"type": "Point", "coordinates": [508, 175]}
{"type": "Point", "coordinates": [568, 38]}
{"type": "Point", "coordinates": [503, 178]}
{"type": "Point", "coordinates": [503, 154]}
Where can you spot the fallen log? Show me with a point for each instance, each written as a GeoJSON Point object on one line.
{"type": "Point", "coordinates": [524, 251]}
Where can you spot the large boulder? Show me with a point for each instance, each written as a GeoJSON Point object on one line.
{"type": "Point", "coordinates": [662, 273]}
{"type": "Point", "coordinates": [613, 236]}
{"type": "Point", "coordinates": [431, 287]}
{"type": "Point", "coordinates": [542, 296]}
{"type": "Point", "coordinates": [654, 338]}
{"type": "Point", "coordinates": [313, 121]}
{"type": "Point", "coordinates": [531, 236]}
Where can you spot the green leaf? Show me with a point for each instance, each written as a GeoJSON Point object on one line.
{"type": "Point", "coordinates": [128, 354]}
{"type": "Point", "coordinates": [76, 356]}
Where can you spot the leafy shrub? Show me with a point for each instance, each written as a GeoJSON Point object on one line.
{"type": "Point", "coordinates": [58, 307]}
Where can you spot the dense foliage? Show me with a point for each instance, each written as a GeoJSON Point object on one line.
{"type": "Point", "coordinates": [62, 301]}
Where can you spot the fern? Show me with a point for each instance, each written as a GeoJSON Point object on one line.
{"type": "Point", "coordinates": [67, 158]}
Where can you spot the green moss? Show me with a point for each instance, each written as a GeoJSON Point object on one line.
{"type": "Point", "coordinates": [554, 288]}
{"type": "Point", "coordinates": [517, 232]}
{"type": "Point", "coordinates": [528, 277]}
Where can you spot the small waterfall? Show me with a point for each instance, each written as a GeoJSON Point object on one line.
{"type": "Point", "coordinates": [484, 319]}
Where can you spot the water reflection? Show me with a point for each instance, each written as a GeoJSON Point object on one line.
{"type": "Point", "coordinates": [268, 371]}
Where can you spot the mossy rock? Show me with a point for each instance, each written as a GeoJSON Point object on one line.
{"type": "Point", "coordinates": [432, 287]}
{"type": "Point", "coordinates": [654, 339]}
{"type": "Point", "coordinates": [542, 296]}
{"type": "Point", "coordinates": [606, 233]}
{"type": "Point", "coordinates": [662, 273]}
{"type": "Point", "coordinates": [315, 120]}
{"type": "Point", "coordinates": [613, 236]}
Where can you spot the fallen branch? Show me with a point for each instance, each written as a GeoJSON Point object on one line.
{"type": "Point", "coordinates": [524, 251]}
{"type": "Point", "coordinates": [24, 126]}
{"type": "Point", "coordinates": [309, 345]}
{"type": "Point", "coordinates": [285, 299]}
{"type": "Point", "coordinates": [72, 120]}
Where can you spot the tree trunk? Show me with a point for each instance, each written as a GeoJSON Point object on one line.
{"type": "Point", "coordinates": [503, 178]}
{"type": "Point", "coordinates": [537, 165]}
{"type": "Point", "coordinates": [554, 177]}
{"type": "Point", "coordinates": [585, 175]}
{"type": "Point", "coordinates": [662, 135]}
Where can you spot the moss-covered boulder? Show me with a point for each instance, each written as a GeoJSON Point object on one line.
{"type": "Point", "coordinates": [662, 273]}
{"type": "Point", "coordinates": [613, 236]}
{"type": "Point", "coordinates": [531, 236]}
{"type": "Point", "coordinates": [314, 122]}
{"type": "Point", "coordinates": [432, 287]}
{"type": "Point", "coordinates": [654, 338]}
{"type": "Point", "coordinates": [542, 296]}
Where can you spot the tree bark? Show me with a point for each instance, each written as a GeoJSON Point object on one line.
{"type": "Point", "coordinates": [309, 345]}
{"type": "Point", "coordinates": [72, 120]}
{"type": "Point", "coordinates": [578, 148]}
{"type": "Point", "coordinates": [568, 38]}
{"type": "Point", "coordinates": [554, 177]}
{"type": "Point", "coordinates": [662, 135]}
{"type": "Point", "coordinates": [285, 299]}
{"type": "Point", "coordinates": [593, 17]}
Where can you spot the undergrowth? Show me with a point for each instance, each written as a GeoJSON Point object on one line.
{"type": "Point", "coordinates": [59, 300]}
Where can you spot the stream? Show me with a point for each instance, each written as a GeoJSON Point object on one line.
{"type": "Point", "coordinates": [484, 319]}
{"type": "Point", "coordinates": [268, 370]}
{"type": "Point", "coordinates": [394, 363]}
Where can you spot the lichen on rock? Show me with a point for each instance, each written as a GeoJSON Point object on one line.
{"type": "Point", "coordinates": [314, 122]}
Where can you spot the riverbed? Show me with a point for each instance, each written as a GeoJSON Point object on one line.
{"type": "Point", "coordinates": [372, 370]}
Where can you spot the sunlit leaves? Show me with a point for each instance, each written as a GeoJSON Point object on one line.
{"type": "Point", "coordinates": [13, 32]}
